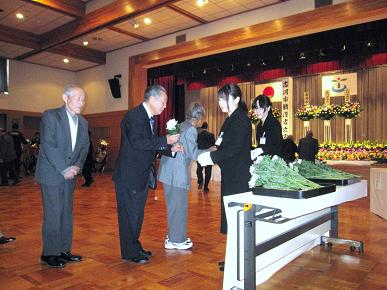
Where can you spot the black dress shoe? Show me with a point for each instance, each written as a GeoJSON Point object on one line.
{"type": "Point", "coordinates": [4, 240]}
{"type": "Point", "coordinates": [146, 253]}
{"type": "Point", "coordinates": [140, 259]}
{"type": "Point", "coordinates": [52, 261]}
{"type": "Point", "coordinates": [67, 256]}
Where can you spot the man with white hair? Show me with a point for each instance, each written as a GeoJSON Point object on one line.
{"type": "Point", "coordinates": [64, 143]}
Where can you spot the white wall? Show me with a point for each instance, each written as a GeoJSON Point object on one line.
{"type": "Point", "coordinates": [35, 88]}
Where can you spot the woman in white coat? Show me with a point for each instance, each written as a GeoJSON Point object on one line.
{"type": "Point", "coordinates": [174, 173]}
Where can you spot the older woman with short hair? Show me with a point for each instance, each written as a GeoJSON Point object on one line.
{"type": "Point", "coordinates": [174, 173]}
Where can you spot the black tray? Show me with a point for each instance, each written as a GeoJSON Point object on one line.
{"type": "Point", "coordinates": [340, 182]}
{"type": "Point", "coordinates": [295, 194]}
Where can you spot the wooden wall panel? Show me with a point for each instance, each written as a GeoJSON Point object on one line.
{"type": "Point", "coordinates": [110, 120]}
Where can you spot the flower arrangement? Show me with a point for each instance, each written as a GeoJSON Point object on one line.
{"type": "Point", "coordinates": [276, 113]}
{"type": "Point", "coordinates": [306, 113]}
{"type": "Point", "coordinates": [173, 127]}
{"type": "Point", "coordinates": [353, 151]}
{"type": "Point", "coordinates": [326, 112]}
{"type": "Point", "coordinates": [349, 110]}
{"type": "Point", "coordinates": [253, 117]}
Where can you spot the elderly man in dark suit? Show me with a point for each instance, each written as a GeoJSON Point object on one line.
{"type": "Point", "coordinates": [139, 143]}
{"type": "Point", "coordinates": [308, 147]}
{"type": "Point", "coordinates": [64, 145]}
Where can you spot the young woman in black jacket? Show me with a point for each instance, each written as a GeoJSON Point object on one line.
{"type": "Point", "coordinates": [233, 147]}
{"type": "Point", "coordinates": [269, 130]}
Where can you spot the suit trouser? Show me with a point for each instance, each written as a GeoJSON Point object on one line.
{"type": "Point", "coordinates": [207, 172]}
{"type": "Point", "coordinates": [57, 230]}
{"type": "Point", "coordinates": [130, 208]}
{"type": "Point", "coordinates": [177, 208]}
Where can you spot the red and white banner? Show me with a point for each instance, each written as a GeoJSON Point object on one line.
{"type": "Point", "coordinates": [272, 90]}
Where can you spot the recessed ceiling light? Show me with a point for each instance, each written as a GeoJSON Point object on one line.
{"type": "Point", "coordinates": [85, 42]}
{"type": "Point", "coordinates": [147, 21]}
{"type": "Point", "coordinates": [136, 25]}
{"type": "Point", "coordinates": [19, 16]}
{"type": "Point", "coordinates": [201, 3]}
{"type": "Point", "coordinates": [66, 60]}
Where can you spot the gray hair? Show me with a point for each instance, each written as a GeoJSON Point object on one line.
{"type": "Point", "coordinates": [195, 111]}
{"type": "Point", "coordinates": [69, 90]}
{"type": "Point", "coordinates": [154, 91]}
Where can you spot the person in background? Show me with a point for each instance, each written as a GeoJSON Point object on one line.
{"type": "Point", "coordinates": [289, 149]}
{"type": "Point", "coordinates": [7, 158]}
{"type": "Point", "coordinates": [63, 149]}
{"type": "Point", "coordinates": [87, 171]}
{"type": "Point", "coordinates": [139, 143]}
{"type": "Point", "coordinates": [308, 147]}
{"type": "Point", "coordinates": [268, 131]}
{"type": "Point", "coordinates": [174, 173]}
{"type": "Point", "coordinates": [4, 239]}
{"type": "Point", "coordinates": [205, 141]}
{"type": "Point", "coordinates": [19, 141]}
{"type": "Point", "coordinates": [234, 145]}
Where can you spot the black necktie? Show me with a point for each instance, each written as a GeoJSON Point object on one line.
{"type": "Point", "coordinates": [152, 124]}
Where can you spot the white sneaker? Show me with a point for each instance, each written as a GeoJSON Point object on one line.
{"type": "Point", "coordinates": [187, 244]}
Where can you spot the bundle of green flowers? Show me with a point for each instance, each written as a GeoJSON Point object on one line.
{"type": "Point", "coordinates": [253, 117]}
{"type": "Point", "coordinates": [306, 113]}
{"type": "Point", "coordinates": [274, 173]}
{"type": "Point", "coordinates": [349, 110]}
{"type": "Point", "coordinates": [276, 113]}
{"type": "Point", "coordinates": [326, 112]}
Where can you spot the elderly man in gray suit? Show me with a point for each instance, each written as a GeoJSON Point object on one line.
{"type": "Point", "coordinates": [174, 173]}
{"type": "Point", "coordinates": [64, 145]}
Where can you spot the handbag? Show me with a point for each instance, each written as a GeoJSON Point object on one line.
{"type": "Point", "coordinates": [152, 180]}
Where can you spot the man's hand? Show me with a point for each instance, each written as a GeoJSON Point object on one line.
{"type": "Point", "coordinates": [71, 173]}
{"type": "Point", "coordinates": [213, 148]}
{"type": "Point", "coordinates": [172, 139]}
{"type": "Point", "coordinates": [177, 148]}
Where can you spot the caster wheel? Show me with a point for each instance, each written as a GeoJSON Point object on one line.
{"type": "Point", "coordinates": [329, 245]}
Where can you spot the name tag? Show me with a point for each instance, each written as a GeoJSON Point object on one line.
{"type": "Point", "coordinates": [219, 140]}
{"type": "Point", "coordinates": [262, 140]}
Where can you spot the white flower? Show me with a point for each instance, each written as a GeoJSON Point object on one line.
{"type": "Point", "coordinates": [275, 157]}
{"type": "Point", "coordinates": [171, 125]}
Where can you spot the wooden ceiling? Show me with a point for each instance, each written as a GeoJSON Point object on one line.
{"type": "Point", "coordinates": [52, 30]}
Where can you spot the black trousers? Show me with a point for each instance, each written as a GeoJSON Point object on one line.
{"type": "Point", "coordinates": [87, 173]}
{"type": "Point", "coordinates": [8, 167]}
{"type": "Point", "coordinates": [207, 172]}
{"type": "Point", "coordinates": [130, 208]}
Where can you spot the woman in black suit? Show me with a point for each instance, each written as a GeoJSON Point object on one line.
{"type": "Point", "coordinates": [234, 145]}
{"type": "Point", "coordinates": [269, 130]}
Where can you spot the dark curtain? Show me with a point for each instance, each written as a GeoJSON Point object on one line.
{"type": "Point", "coordinates": [3, 74]}
{"type": "Point", "coordinates": [169, 83]}
{"type": "Point", "coordinates": [180, 103]}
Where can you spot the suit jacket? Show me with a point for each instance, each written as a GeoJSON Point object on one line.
{"type": "Point", "coordinates": [205, 139]}
{"type": "Point", "coordinates": [233, 154]}
{"type": "Point", "coordinates": [137, 150]}
{"type": "Point", "coordinates": [7, 148]}
{"type": "Point", "coordinates": [308, 148]}
{"type": "Point", "coordinates": [176, 171]}
{"type": "Point", "coordinates": [273, 134]}
{"type": "Point", "coordinates": [55, 153]}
